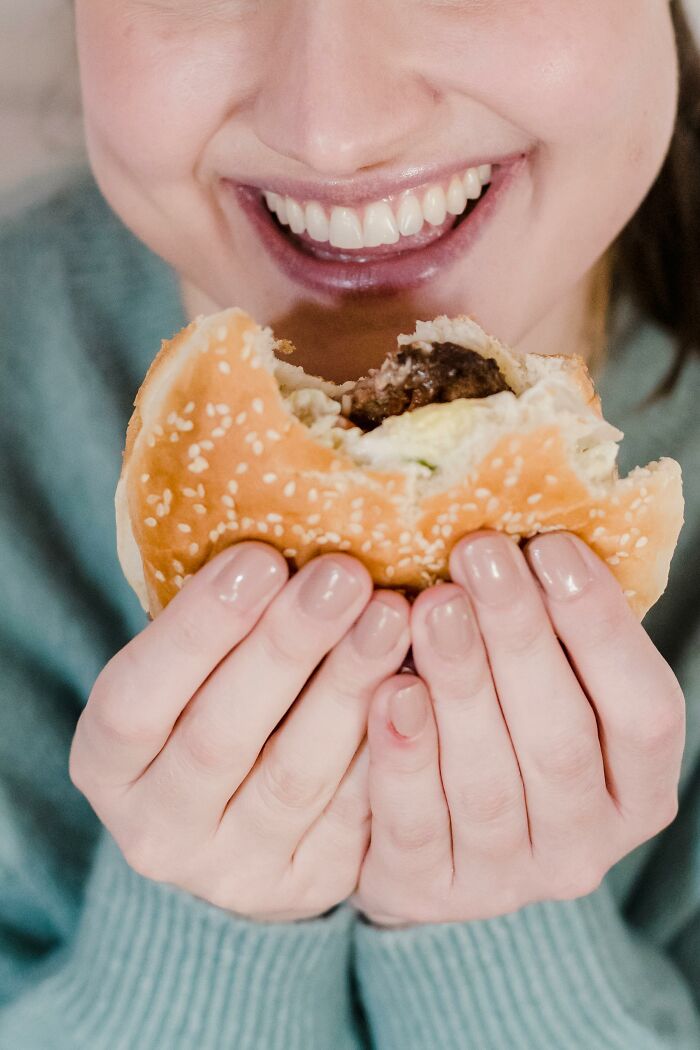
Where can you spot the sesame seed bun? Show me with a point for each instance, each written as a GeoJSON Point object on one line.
{"type": "Point", "coordinates": [229, 441]}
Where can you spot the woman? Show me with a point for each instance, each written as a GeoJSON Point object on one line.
{"type": "Point", "coordinates": [297, 846]}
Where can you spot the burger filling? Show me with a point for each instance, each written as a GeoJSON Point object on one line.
{"type": "Point", "coordinates": [417, 375]}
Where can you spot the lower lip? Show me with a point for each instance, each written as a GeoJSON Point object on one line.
{"type": "Point", "coordinates": [381, 276]}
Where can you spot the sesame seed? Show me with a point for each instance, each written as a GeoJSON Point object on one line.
{"type": "Point", "coordinates": [178, 566]}
{"type": "Point", "coordinates": [183, 424]}
{"type": "Point", "coordinates": [178, 581]}
{"type": "Point", "coordinates": [624, 540]}
{"type": "Point", "coordinates": [390, 571]}
{"type": "Point", "coordinates": [551, 479]}
{"type": "Point", "coordinates": [227, 422]}
{"type": "Point", "coordinates": [210, 410]}
{"type": "Point", "coordinates": [290, 488]}
{"type": "Point", "coordinates": [189, 407]}
{"type": "Point", "coordinates": [446, 530]}
{"type": "Point", "coordinates": [151, 522]}
{"type": "Point", "coordinates": [161, 510]}
{"type": "Point", "coordinates": [245, 353]}
{"type": "Point", "coordinates": [482, 493]}
{"type": "Point", "coordinates": [274, 517]}
{"type": "Point", "coordinates": [355, 529]}
{"type": "Point", "coordinates": [232, 486]}
{"type": "Point", "coordinates": [262, 526]}
{"type": "Point", "coordinates": [258, 448]}
{"type": "Point", "coordinates": [496, 463]}
{"type": "Point", "coordinates": [174, 436]}
{"type": "Point", "coordinates": [513, 446]}
{"type": "Point", "coordinates": [214, 535]}
{"type": "Point", "coordinates": [150, 500]}
{"type": "Point", "coordinates": [145, 478]}
{"type": "Point", "coordinates": [290, 552]}
{"type": "Point", "coordinates": [613, 561]}
{"type": "Point", "coordinates": [359, 501]}
{"type": "Point", "coordinates": [221, 333]}
{"type": "Point", "coordinates": [278, 530]}
{"type": "Point", "coordinates": [255, 363]}
{"type": "Point", "coordinates": [241, 418]}
{"type": "Point", "coordinates": [241, 468]}
{"type": "Point", "coordinates": [534, 498]}
{"type": "Point", "coordinates": [598, 531]}
{"type": "Point", "coordinates": [405, 562]}
{"type": "Point", "coordinates": [273, 435]}
{"type": "Point", "coordinates": [366, 546]}
{"type": "Point", "coordinates": [227, 501]}
{"type": "Point", "coordinates": [312, 495]}
{"type": "Point", "coordinates": [184, 527]}
{"type": "Point", "coordinates": [150, 441]}
{"type": "Point", "coordinates": [641, 542]}
{"type": "Point", "coordinates": [269, 479]}
{"type": "Point", "coordinates": [247, 522]}
{"type": "Point", "coordinates": [493, 504]}
{"type": "Point", "coordinates": [630, 594]}
{"type": "Point", "coordinates": [258, 405]}
{"type": "Point", "coordinates": [333, 537]}
{"type": "Point", "coordinates": [405, 537]}
{"type": "Point", "coordinates": [218, 432]}
{"type": "Point", "coordinates": [207, 445]}
{"type": "Point", "coordinates": [157, 429]}
{"type": "Point", "coordinates": [224, 367]}
{"type": "Point", "coordinates": [200, 490]}
{"type": "Point", "coordinates": [221, 528]}
{"type": "Point", "coordinates": [200, 464]}
{"type": "Point", "coordinates": [230, 516]}
{"type": "Point", "coordinates": [250, 437]}
{"type": "Point", "coordinates": [313, 519]}
{"type": "Point", "coordinates": [199, 508]}
{"type": "Point", "coordinates": [511, 479]}
{"type": "Point", "coordinates": [167, 495]}
{"type": "Point", "coordinates": [469, 506]}
{"type": "Point", "coordinates": [193, 451]}
{"type": "Point", "coordinates": [159, 576]}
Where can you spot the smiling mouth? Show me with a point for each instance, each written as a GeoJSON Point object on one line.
{"type": "Point", "coordinates": [337, 251]}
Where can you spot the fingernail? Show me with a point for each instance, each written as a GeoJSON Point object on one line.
{"type": "Point", "coordinates": [247, 578]}
{"type": "Point", "coordinates": [491, 569]}
{"type": "Point", "coordinates": [559, 566]}
{"type": "Point", "coordinates": [408, 710]}
{"type": "Point", "coordinates": [450, 627]}
{"type": "Point", "coordinates": [378, 629]}
{"type": "Point", "coordinates": [328, 589]}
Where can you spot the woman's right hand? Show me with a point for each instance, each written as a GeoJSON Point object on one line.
{"type": "Point", "coordinates": [224, 746]}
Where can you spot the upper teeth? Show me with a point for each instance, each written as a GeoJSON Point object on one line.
{"type": "Point", "coordinates": [383, 221]}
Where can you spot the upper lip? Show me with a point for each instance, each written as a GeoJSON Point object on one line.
{"type": "Point", "coordinates": [356, 191]}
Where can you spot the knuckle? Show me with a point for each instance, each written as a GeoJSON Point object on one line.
{"type": "Point", "coordinates": [413, 836]}
{"type": "Point", "coordinates": [657, 732]}
{"type": "Point", "coordinates": [116, 706]}
{"type": "Point", "coordinates": [524, 630]}
{"type": "Point", "coordinates": [495, 804]}
{"type": "Point", "coordinates": [349, 811]}
{"type": "Point", "coordinates": [607, 623]}
{"type": "Point", "coordinates": [205, 750]}
{"type": "Point", "coordinates": [144, 855]}
{"type": "Point", "coordinates": [190, 629]}
{"type": "Point", "coordinates": [667, 813]}
{"type": "Point", "coordinates": [286, 785]}
{"type": "Point", "coordinates": [572, 756]}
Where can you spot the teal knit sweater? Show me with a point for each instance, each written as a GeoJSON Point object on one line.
{"type": "Point", "coordinates": [96, 957]}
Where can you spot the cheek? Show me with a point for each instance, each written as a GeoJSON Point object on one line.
{"type": "Point", "coordinates": [152, 98]}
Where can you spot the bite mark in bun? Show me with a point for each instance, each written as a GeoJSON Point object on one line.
{"type": "Point", "coordinates": [229, 441]}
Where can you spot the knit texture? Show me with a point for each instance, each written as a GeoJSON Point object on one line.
{"type": "Point", "coordinates": [96, 957]}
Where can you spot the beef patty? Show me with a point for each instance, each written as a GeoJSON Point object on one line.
{"type": "Point", "coordinates": [412, 376]}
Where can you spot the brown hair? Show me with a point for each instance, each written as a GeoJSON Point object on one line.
{"type": "Point", "coordinates": [655, 261]}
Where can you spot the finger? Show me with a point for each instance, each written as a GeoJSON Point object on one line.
{"type": "Point", "coordinates": [337, 842]}
{"type": "Point", "coordinates": [551, 723]}
{"type": "Point", "coordinates": [222, 731]}
{"type": "Point", "coordinates": [410, 820]}
{"type": "Point", "coordinates": [304, 761]}
{"type": "Point", "coordinates": [636, 695]}
{"type": "Point", "coordinates": [480, 773]}
{"type": "Point", "coordinates": [141, 692]}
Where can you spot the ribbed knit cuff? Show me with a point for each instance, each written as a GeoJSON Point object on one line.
{"type": "Point", "coordinates": [562, 975]}
{"type": "Point", "coordinates": [154, 968]}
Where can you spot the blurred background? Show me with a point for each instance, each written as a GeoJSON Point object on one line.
{"type": "Point", "coordinates": [39, 98]}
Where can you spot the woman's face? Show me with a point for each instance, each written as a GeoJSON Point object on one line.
{"type": "Point", "coordinates": [348, 102]}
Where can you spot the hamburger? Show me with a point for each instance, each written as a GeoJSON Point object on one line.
{"type": "Point", "coordinates": [453, 432]}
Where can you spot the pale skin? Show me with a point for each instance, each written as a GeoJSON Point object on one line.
{"type": "Point", "coordinates": [268, 757]}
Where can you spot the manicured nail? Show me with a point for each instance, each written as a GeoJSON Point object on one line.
{"type": "Point", "coordinates": [249, 577]}
{"type": "Point", "coordinates": [491, 569]}
{"type": "Point", "coordinates": [559, 566]}
{"type": "Point", "coordinates": [378, 629]}
{"type": "Point", "coordinates": [408, 710]}
{"type": "Point", "coordinates": [450, 627]}
{"type": "Point", "coordinates": [328, 589]}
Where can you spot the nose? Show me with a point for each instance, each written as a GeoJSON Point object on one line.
{"type": "Point", "coordinates": [334, 96]}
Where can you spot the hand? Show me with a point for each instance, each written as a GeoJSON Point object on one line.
{"type": "Point", "coordinates": [195, 755]}
{"type": "Point", "coordinates": [480, 806]}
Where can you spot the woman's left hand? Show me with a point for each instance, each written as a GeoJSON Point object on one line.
{"type": "Point", "coordinates": [518, 775]}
